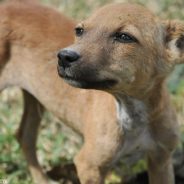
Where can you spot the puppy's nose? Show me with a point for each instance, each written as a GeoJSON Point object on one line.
{"type": "Point", "coordinates": [66, 57]}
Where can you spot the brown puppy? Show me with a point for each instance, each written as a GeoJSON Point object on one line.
{"type": "Point", "coordinates": [128, 52]}
{"type": "Point", "coordinates": [138, 118]}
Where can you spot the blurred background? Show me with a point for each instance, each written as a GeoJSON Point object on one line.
{"type": "Point", "coordinates": [58, 143]}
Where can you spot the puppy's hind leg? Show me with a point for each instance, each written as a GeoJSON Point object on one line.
{"type": "Point", "coordinates": [27, 135]}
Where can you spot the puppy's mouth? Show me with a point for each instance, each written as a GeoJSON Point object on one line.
{"type": "Point", "coordinates": [104, 84]}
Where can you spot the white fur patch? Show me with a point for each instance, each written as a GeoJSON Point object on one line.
{"type": "Point", "coordinates": [123, 117]}
{"type": "Point", "coordinates": [131, 113]}
{"type": "Point", "coordinates": [133, 118]}
{"type": "Point", "coordinates": [175, 53]}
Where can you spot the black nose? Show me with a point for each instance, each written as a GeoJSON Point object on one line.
{"type": "Point", "coordinates": [66, 57]}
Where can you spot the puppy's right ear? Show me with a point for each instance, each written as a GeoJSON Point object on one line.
{"type": "Point", "coordinates": [174, 41]}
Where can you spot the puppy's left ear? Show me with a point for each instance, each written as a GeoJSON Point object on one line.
{"type": "Point", "coordinates": [174, 41]}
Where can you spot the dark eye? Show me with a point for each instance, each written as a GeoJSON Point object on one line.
{"type": "Point", "coordinates": [124, 38]}
{"type": "Point", "coordinates": [79, 31]}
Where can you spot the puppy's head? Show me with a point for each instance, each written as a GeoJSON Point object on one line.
{"type": "Point", "coordinates": [122, 47]}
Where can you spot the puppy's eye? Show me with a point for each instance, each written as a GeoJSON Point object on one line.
{"type": "Point", "coordinates": [124, 38]}
{"type": "Point", "coordinates": [79, 31]}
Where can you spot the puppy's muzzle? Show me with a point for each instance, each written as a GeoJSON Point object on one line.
{"type": "Point", "coordinates": [67, 57]}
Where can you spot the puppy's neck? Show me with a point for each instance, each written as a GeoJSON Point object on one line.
{"type": "Point", "coordinates": [135, 111]}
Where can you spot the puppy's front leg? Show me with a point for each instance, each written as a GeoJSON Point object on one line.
{"type": "Point", "coordinates": [166, 134]}
{"type": "Point", "coordinates": [89, 170]}
{"type": "Point", "coordinates": [160, 169]}
{"type": "Point", "coordinates": [99, 151]}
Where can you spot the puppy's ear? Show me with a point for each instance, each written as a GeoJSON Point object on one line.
{"type": "Point", "coordinates": [174, 41]}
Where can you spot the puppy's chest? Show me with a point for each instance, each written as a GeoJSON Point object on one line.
{"type": "Point", "coordinates": [133, 119]}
